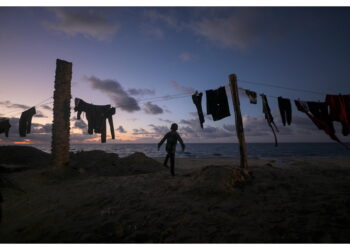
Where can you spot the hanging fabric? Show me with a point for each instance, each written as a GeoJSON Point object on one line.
{"type": "Point", "coordinates": [339, 106]}
{"type": "Point", "coordinates": [197, 100]}
{"type": "Point", "coordinates": [252, 96]}
{"type": "Point", "coordinates": [285, 108]}
{"type": "Point", "coordinates": [5, 126]}
{"type": "Point", "coordinates": [25, 121]}
{"type": "Point", "coordinates": [96, 116]}
{"type": "Point", "coordinates": [269, 117]}
{"type": "Point", "coordinates": [318, 113]}
{"type": "Point", "coordinates": [217, 103]}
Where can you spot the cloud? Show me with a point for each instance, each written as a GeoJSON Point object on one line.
{"type": "Point", "coordinates": [187, 90]}
{"type": "Point", "coordinates": [9, 104]}
{"type": "Point", "coordinates": [116, 92]}
{"type": "Point", "coordinates": [40, 114]}
{"type": "Point", "coordinates": [154, 109]}
{"type": "Point", "coordinates": [167, 19]}
{"type": "Point", "coordinates": [80, 124]}
{"type": "Point", "coordinates": [120, 129]}
{"type": "Point", "coordinates": [239, 30]}
{"type": "Point", "coordinates": [165, 120]}
{"type": "Point", "coordinates": [47, 107]}
{"type": "Point", "coordinates": [185, 57]}
{"type": "Point", "coordinates": [86, 22]}
{"type": "Point", "coordinates": [141, 92]}
{"type": "Point", "coordinates": [152, 31]}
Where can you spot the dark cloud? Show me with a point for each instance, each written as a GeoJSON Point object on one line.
{"type": "Point", "coordinates": [47, 107]}
{"type": "Point", "coordinates": [165, 120]}
{"type": "Point", "coordinates": [140, 131]}
{"type": "Point", "coordinates": [80, 124]}
{"type": "Point", "coordinates": [187, 90]}
{"type": "Point", "coordinates": [116, 92]}
{"type": "Point", "coordinates": [9, 104]}
{"type": "Point", "coordinates": [41, 129]}
{"type": "Point", "coordinates": [39, 114]}
{"type": "Point", "coordinates": [154, 109]}
{"type": "Point", "coordinates": [84, 21]}
{"type": "Point", "coordinates": [141, 92]}
{"type": "Point", "coordinates": [120, 129]}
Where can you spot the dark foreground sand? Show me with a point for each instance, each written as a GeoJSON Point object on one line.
{"type": "Point", "coordinates": [104, 198]}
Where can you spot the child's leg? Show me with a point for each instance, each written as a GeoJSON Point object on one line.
{"type": "Point", "coordinates": [166, 160]}
{"type": "Point", "coordinates": [172, 164]}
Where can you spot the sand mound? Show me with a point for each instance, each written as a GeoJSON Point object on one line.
{"type": "Point", "coordinates": [100, 163]}
{"type": "Point", "coordinates": [22, 155]}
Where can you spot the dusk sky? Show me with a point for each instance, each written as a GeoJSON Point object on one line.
{"type": "Point", "coordinates": [124, 56]}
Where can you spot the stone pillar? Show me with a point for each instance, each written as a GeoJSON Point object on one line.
{"type": "Point", "coordinates": [61, 113]}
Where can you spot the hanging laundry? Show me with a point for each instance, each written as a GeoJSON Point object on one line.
{"type": "Point", "coordinates": [301, 106]}
{"type": "Point", "coordinates": [318, 113]}
{"type": "Point", "coordinates": [25, 121]}
{"type": "Point", "coordinates": [269, 117]}
{"type": "Point", "coordinates": [217, 104]}
{"type": "Point", "coordinates": [96, 116]}
{"type": "Point", "coordinates": [285, 108]}
{"type": "Point", "coordinates": [252, 96]}
{"type": "Point", "coordinates": [339, 106]}
{"type": "Point", "coordinates": [197, 100]}
{"type": "Point", "coordinates": [5, 126]}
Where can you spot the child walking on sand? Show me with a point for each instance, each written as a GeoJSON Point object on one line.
{"type": "Point", "coordinates": [172, 137]}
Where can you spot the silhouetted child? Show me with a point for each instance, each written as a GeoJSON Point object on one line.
{"type": "Point", "coordinates": [172, 137]}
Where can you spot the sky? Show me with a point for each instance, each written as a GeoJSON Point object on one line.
{"type": "Point", "coordinates": [130, 56]}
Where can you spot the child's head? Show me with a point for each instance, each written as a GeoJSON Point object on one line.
{"type": "Point", "coordinates": [174, 127]}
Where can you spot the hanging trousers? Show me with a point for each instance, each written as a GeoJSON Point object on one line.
{"type": "Point", "coordinates": [285, 108]}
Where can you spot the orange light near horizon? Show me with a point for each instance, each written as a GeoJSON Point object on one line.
{"type": "Point", "coordinates": [25, 141]}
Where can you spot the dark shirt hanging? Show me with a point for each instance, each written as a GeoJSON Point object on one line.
{"type": "Point", "coordinates": [5, 126]}
{"type": "Point", "coordinates": [269, 117]}
{"type": "Point", "coordinates": [197, 100]}
{"type": "Point", "coordinates": [252, 96]}
{"type": "Point", "coordinates": [96, 116]}
{"type": "Point", "coordinates": [318, 113]}
{"type": "Point", "coordinates": [339, 106]}
{"type": "Point", "coordinates": [217, 103]}
{"type": "Point", "coordinates": [25, 121]}
{"type": "Point", "coordinates": [285, 108]}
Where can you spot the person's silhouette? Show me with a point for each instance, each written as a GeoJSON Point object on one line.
{"type": "Point", "coordinates": [172, 137]}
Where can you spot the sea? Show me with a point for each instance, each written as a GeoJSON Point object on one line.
{"type": "Point", "coordinates": [208, 150]}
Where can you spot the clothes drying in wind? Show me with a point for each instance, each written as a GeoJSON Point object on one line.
{"type": "Point", "coordinates": [96, 116]}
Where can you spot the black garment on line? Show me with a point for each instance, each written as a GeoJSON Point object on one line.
{"type": "Point", "coordinates": [323, 120]}
{"type": "Point", "coordinates": [217, 104]}
{"type": "Point", "coordinates": [96, 116]}
{"type": "Point", "coordinates": [252, 96]}
{"type": "Point", "coordinates": [25, 121]}
{"type": "Point", "coordinates": [269, 117]}
{"type": "Point", "coordinates": [285, 108]}
{"type": "Point", "coordinates": [197, 100]}
{"type": "Point", "coordinates": [5, 126]}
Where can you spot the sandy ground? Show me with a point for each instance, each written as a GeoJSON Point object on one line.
{"type": "Point", "coordinates": [103, 198]}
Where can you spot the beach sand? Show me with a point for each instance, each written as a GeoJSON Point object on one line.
{"type": "Point", "coordinates": [100, 197]}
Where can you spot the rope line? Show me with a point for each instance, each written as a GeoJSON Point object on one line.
{"type": "Point", "coordinates": [280, 87]}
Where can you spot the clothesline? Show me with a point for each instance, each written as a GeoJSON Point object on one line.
{"type": "Point", "coordinates": [280, 87]}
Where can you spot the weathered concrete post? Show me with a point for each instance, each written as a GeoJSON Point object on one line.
{"type": "Point", "coordinates": [61, 113]}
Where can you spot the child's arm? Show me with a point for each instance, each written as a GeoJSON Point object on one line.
{"type": "Point", "coordinates": [162, 140]}
{"type": "Point", "coordinates": [181, 142]}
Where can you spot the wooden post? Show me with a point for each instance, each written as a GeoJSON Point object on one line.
{"type": "Point", "coordinates": [61, 113]}
{"type": "Point", "coordinates": [239, 123]}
